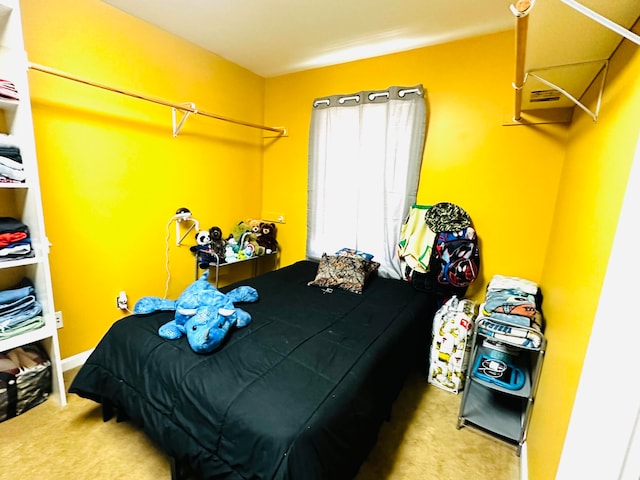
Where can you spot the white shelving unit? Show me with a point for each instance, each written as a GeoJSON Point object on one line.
{"type": "Point", "coordinates": [23, 201]}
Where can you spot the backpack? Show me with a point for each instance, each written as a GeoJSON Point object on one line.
{"type": "Point", "coordinates": [454, 262]}
{"type": "Point", "coordinates": [458, 257]}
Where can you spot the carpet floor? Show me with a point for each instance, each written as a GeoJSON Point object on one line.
{"type": "Point", "coordinates": [421, 442]}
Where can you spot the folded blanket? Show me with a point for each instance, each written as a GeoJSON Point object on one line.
{"type": "Point", "coordinates": [7, 239]}
{"type": "Point", "coordinates": [521, 336]}
{"type": "Point", "coordinates": [21, 249]}
{"type": "Point", "coordinates": [12, 169]}
{"type": "Point", "coordinates": [27, 325]}
{"type": "Point", "coordinates": [512, 300]}
{"type": "Point", "coordinates": [503, 282]}
{"type": "Point", "coordinates": [510, 306]}
{"type": "Point", "coordinates": [11, 225]}
{"type": "Point", "coordinates": [8, 90]}
{"type": "Point", "coordinates": [21, 290]}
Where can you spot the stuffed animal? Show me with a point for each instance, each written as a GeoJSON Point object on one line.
{"type": "Point", "coordinates": [203, 238]}
{"type": "Point", "coordinates": [254, 233]}
{"type": "Point", "coordinates": [238, 231]}
{"type": "Point", "coordinates": [243, 234]}
{"type": "Point", "coordinates": [267, 238]}
{"type": "Point", "coordinates": [231, 251]}
{"type": "Point", "coordinates": [218, 243]}
{"type": "Point", "coordinates": [202, 249]}
{"type": "Point", "coordinates": [203, 313]}
{"type": "Point", "coordinates": [254, 226]}
{"type": "Point", "coordinates": [247, 251]}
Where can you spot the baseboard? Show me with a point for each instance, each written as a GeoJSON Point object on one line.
{"type": "Point", "coordinates": [75, 360]}
{"type": "Point", "coordinates": [524, 467]}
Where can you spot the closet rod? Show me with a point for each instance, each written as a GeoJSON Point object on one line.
{"type": "Point", "coordinates": [188, 108]}
{"type": "Point", "coordinates": [521, 11]}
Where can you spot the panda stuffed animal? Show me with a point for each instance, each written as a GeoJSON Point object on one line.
{"type": "Point", "coordinates": [203, 238]}
{"type": "Point", "coordinates": [202, 249]}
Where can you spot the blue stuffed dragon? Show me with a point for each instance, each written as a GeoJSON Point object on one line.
{"type": "Point", "coordinates": [203, 313]}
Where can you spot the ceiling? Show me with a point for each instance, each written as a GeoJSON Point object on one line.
{"type": "Point", "coordinates": [275, 37]}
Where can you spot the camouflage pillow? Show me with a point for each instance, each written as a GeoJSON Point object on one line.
{"type": "Point", "coordinates": [349, 273]}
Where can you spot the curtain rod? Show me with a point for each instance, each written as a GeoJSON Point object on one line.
{"type": "Point", "coordinates": [372, 96]}
{"type": "Point", "coordinates": [187, 108]}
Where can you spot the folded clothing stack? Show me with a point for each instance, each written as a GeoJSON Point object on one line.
{"type": "Point", "coordinates": [15, 242]}
{"type": "Point", "coordinates": [11, 167]}
{"type": "Point", "coordinates": [20, 310]}
{"type": "Point", "coordinates": [512, 300]}
{"type": "Point", "coordinates": [8, 90]}
{"type": "Point", "coordinates": [511, 311]}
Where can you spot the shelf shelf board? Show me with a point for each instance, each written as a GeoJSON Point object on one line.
{"type": "Point", "coordinates": [488, 409]}
{"type": "Point", "coordinates": [14, 185]}
{"type": "Point", "coordinates": [7, 104]}
{"type": "Point", "coordinates": [524, 392]}
{"type": "Point", "coordinates": [46, 331]}
{"type": "Point", "coordinates": [242, 260]}
{"type": "Point", "coordinates": [19, 262]}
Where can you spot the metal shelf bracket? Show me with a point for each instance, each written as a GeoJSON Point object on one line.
{"type": "Point", "coordinates": [178, 125]}
{"type": "Point", "coordinates": [603, 74]}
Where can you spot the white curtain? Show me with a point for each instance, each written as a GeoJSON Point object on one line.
{"type": "Point", "coordinates": [365, 152]}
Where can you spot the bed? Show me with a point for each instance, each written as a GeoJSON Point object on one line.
{"type": "Point", "coordinates": [298, 394]}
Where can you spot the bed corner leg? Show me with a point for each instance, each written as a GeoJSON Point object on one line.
{"type": "Point", "coordinates": [107, 410]}
{"type": "Point", "coordinates": [174, 468]}
{"type": "Point", "coordinates": [121, 416]}
{"type": "Point", "coordinates": [177, 469]}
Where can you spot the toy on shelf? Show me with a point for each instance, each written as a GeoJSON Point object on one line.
{"type": "Point", "coordinates": [209, 247]}
{"type": "Point", "coordinates": [254, 225]}
{"type": "Point", "coordinates": [267, 238]}
{"type": "Point", "coordinates": [218, 243]}
{"type": "Point", "coordinates": [242, 244]}
{"type": "Point", "coordinates": [254, 234]}
{"type": "Point", "coordinates": [202, 248]}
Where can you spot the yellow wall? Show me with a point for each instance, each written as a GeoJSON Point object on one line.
{"type": "Point", "coordinates": [112, 175]}
{"type": "Point", "coordinates": [505, 177]}
{"type": "Point", "coordinates": [598, 161]}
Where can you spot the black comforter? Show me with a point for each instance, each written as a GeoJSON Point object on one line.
{"type": "Point", "coordinates": [298, 394]}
